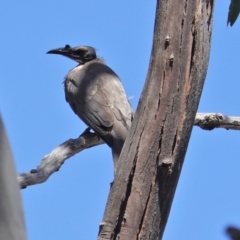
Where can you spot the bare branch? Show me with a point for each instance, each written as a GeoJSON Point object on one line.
{"type": "Point", "coordinates": [209, 121]}
{"type": "Point", "coordinates": [53, 161]}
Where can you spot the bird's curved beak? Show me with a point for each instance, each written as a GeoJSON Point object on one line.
{"type": "Point", "coordinates": [66, 51]}
{"type": "Point", "coordinates": [61, 51]}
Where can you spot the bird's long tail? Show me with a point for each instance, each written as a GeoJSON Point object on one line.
{"type": "Point", "coordinates": [116, 151]}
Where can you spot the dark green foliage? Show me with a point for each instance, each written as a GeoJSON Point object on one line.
{"type": "Point", "coordinates": [233, 13]}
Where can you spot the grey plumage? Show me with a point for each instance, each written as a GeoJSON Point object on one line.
{"type": "Point", "coordinates": [95, 93]}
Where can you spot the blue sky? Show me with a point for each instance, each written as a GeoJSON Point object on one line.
{"type": "Point", "coordinates": [70, 204]}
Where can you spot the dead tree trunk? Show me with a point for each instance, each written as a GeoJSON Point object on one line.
{"type": "Point", "coordinates": [151, 160]}
{"type": "Point", "coordinates": [12, 225]}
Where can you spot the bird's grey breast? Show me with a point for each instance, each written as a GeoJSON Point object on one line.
{"type": "Point", "coordinates": [96, 95]}
{"type": "Point", "coordinates": [79, 84]}
{"type": "Point", "coordinates": [84, 92]}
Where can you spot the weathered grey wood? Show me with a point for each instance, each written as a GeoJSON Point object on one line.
{"type": "Point", "coordinates": [12, 226]}
{"type": "Point", "coordinates": [151, 160]}
{"type": "Point", "coordinates": [53, 161]}
{"type": "Point", "coordinates": [209, 121]}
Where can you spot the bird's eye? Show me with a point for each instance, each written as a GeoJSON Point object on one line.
{"type": "Point", "coordinates": [80, 52]}
{"type": "Point", "coordinates": [87, 56]}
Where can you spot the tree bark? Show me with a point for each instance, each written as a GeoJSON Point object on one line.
{"type": "Point", "coordinates": [12, 224]}
{"type": "Point", "coordinates": [151, 160]}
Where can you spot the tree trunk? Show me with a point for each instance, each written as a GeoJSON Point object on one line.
{"type": "Point", "coordinates": [12, 225]}
{"type": "Point", "coordinates": [151, 160]}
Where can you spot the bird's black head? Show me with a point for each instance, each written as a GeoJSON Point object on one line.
{"type": "Point", "coordinates": [81, 54]}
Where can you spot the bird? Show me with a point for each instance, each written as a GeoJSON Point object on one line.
{"type": "Point", "coordinates": [96, 95]}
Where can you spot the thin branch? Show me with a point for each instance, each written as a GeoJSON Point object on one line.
{"type": "Point", "coordinates": [53, 161]}
{"type": "Point", "coordinates": [209, 121]}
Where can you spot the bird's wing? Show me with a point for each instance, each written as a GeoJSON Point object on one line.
{"type": "Point", "coordinates": [97, 96]}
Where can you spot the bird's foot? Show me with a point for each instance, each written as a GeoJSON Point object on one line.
{"type": "Point", "coordinates": [87, 130]}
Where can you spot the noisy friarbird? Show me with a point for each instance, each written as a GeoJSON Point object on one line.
{"type": "Point", "coordinates": [95, 93]}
